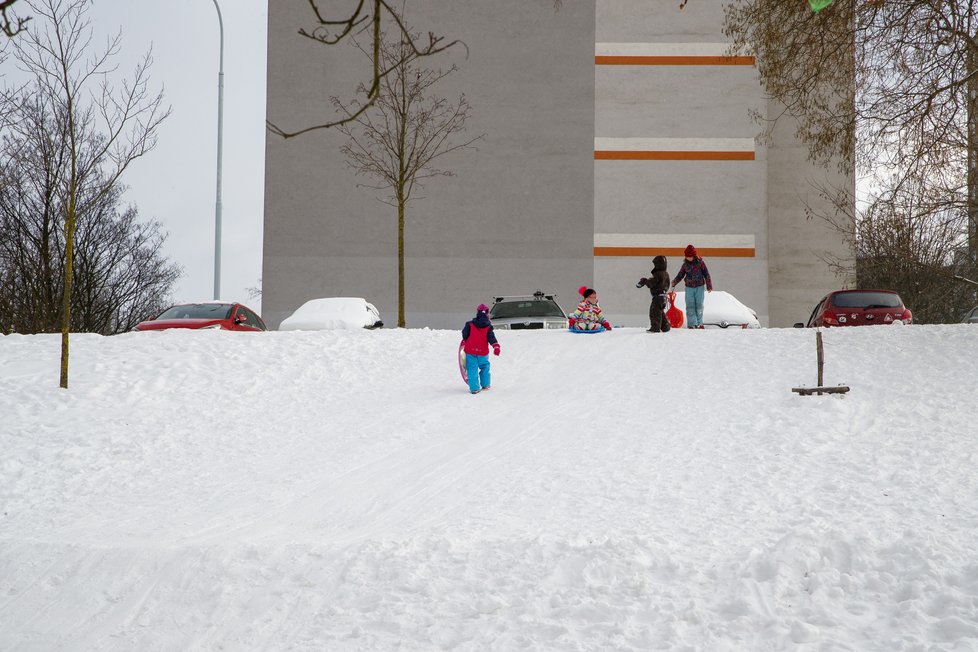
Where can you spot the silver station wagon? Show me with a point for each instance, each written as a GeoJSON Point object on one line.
{"type": "Point", "coordinates": [527, 312]}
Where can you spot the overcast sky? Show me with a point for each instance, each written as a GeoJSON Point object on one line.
{"type": "Point", "coordinates": [176, 183]}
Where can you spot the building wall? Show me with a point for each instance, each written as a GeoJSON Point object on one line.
{"type": "Point", "coordinates": [801, 247]}
{"type": "Point", "coordinates": [614, 130]}
{"type": "Point", "coordinates": [517, 215]}
{"type": "Point", "coordinates": [677, 163]}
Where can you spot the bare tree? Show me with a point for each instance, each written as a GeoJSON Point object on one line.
{"type": "Point", "coordinates": [905, 239]}
{"type": "Point", "coordinates": [888, 87]}
{"type": "Point", "coordinates": [74, 81]}
{"type": "Point", "coordinates": [9, 24]}
{"type": "Point", "coordinates": [406, 130]}
{"type": "Point", "coordinates": [120, 274]}
{"type": "Point", "coordinates": [368, 19]}
{"type": "Point", "coordinates": [255, 291]}
{"type": "Point", "coordinates": [369, 16]}
{"type": "Point", "coordinates": [914, 255]}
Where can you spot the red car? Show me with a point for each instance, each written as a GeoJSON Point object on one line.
{"type": "Point", "coordinates": [859, 308]}
{"type": "Point", "coordinates": [225, 316]}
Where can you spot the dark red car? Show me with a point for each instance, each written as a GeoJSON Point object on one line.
{"type": "Point", "coordinates": [225, 316]}
{"type": "Point", "coordinates": [859, 308]}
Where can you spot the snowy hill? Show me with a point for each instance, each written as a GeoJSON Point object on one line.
{"type": "Point", "coordinates": [626, 491]}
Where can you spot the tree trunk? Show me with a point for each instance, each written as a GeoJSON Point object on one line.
{"type": "Point", "coordinates": [69, 277]}
{"type": "Point", "coordinates": [44, 317]}
{"type": "Point", "coordinates": [69, 236]}
{"type": "Point", "coordinates": [972, 113]}
{"type": "Point", "coordinates": [400, 260]}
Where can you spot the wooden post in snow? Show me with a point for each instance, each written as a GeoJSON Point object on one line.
{"type": "Point", "coordinates": [820, 362]}
{"type": "Point", "coordinates": [820, 355]}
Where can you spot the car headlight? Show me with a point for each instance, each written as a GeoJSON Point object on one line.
{"type": "Point", "coordinates": [504, 327]}
{"type": "Point", "coordinates": [553, 325]}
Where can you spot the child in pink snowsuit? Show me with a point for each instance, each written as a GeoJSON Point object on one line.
{"type": "Point", "coordinates": [588, 316]}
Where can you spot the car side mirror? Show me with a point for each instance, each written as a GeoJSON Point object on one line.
{"type": "Point", "coordinates": [798, 324]}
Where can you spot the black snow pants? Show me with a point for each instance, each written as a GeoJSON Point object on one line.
{"type": "Point", "coordinates": [657, 315]}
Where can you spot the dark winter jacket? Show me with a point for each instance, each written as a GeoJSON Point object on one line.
{"type": "Point", "coordinates": [658, 282]}
{"type": "Point", "coordinates": [478, 335]}
{"type": "Point", "coordinates": [695, 273]}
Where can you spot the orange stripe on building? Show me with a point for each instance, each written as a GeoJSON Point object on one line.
{"type": "Point", "coordinates": [705, 252]}
{"type": "Point", "coordinates": [632, 60]}
{"type": "Point", "coordinates": [626, 155]}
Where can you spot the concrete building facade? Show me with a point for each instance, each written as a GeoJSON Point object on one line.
{"type": "Point", "coordinates": [614, 130]}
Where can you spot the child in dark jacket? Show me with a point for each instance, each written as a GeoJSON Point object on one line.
{"type": "Point", "coordinates": [658, 284]}
{"type": "Point", "coordinates": [478, 337]}
{"type": "Point", "coordinates": [696, 274]}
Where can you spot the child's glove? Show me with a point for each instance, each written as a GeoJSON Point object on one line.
{"type": "Point", "coordinates": [641, 282]}
{"type": "Point", "coordinates": [607, 326]}
{"type": "Point", "coordinates": [495, 349]}
{"type": "Point", "coordinates": [571, 321]}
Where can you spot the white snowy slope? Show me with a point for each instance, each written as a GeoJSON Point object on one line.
{"type": "Point", "coordinates": [624, 491]}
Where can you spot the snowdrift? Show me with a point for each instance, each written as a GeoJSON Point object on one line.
{"type": "Point", "coordinates": [342, 490]}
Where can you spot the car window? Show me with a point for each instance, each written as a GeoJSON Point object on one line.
{"type": "Point", "coordinates": [816, 312]}
{"type": "Point", "coordinates": [866, 300]}
{"type": "Point", "coordinates": [246, 318]}
{"type": "Point", "coordinates": [198, 311]}
{"type": "Point", "coordinates": [254, 320]}
{"type": "Point", "coordinates": [373, 315]}
{"type": "Point", "coordinates": [528, 308]}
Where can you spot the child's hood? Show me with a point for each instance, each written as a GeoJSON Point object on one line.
{"type": "Point", "coordinates": [481, 320]}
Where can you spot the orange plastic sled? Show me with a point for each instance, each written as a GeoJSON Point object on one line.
{"type": "Point", "coordinates": [674, 314]}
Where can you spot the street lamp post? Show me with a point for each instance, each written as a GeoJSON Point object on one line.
{"type": "Point", "coordinates": [220, 131]}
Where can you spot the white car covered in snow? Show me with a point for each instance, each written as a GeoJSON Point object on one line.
{"type": "Point", "coordinates": [721, 310]}
{"type": "Point", "coordinates": [335, 313]}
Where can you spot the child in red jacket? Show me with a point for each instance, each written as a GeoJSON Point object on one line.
{"type": "Point", "coordinates": [478, 337]}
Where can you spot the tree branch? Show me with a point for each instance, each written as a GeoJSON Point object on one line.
{"type": "Point", "coordinates": [11, 26]}
{"type": "Point", "coordinates": [322, 35]}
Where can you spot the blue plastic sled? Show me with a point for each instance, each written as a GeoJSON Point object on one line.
{"type": "Point", "coordinates": [599, 329]}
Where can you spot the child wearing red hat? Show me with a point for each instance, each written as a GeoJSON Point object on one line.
{"type": "Point", "coordinates": [478, 337]}
{"type": "Point", "coordinates": [696, 276]}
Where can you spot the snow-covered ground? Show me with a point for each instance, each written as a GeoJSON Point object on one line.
{"type": "Point", "coordinates": [625, 491]}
